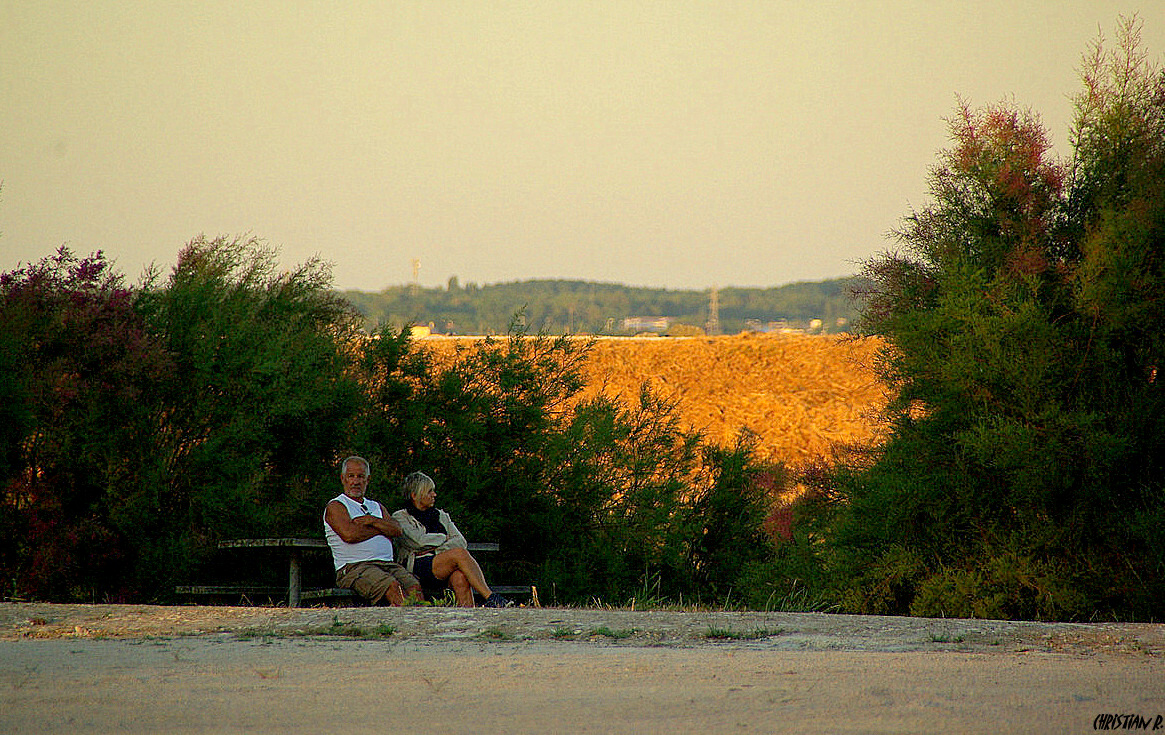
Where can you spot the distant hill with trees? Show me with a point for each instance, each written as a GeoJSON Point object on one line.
{"type": "Point", "coordinates": [581, 307]}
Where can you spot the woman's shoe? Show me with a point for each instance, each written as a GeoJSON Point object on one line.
{"type": "Point", "coordinates": [496, 600]}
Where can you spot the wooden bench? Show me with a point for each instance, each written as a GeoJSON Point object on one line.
{"type": "Point", "coordinates": [295, 594]}
{"type": "Point", "coordinates": [344, 593]}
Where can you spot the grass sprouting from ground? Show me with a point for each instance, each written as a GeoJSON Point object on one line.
{"type": "Point", "coordinates": [724, 634]}
{"type": "Point", "coordinates": [799, 599]}
{"type": "Point", "coordinates": [337, 629]}
{"type": "Point", "coordinates": [604, 631]}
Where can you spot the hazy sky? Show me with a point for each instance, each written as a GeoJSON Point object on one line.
{"type": "Point", "coordinates": [658, 143]}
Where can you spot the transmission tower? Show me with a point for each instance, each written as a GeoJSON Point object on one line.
{"type": "Point", "coordinates": [713, 325]}
{"type": "Point", "coordinates": [416, 274]}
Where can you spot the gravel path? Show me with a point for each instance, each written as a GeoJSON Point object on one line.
{"type": "Point", "coordinates": [769, 631]}
{"type": "Point", "coordinates": [147, 669]}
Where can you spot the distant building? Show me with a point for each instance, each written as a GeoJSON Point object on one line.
{"type": "Point", "coordinates": [647, 323]}
{"type": "Point", "coordinates": [778, 325]}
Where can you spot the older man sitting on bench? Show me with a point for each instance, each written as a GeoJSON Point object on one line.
{"type": "Point", "coordinates": [360, 534]}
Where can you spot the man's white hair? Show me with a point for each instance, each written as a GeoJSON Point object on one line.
{"type": "Point", "coordinates": [354, 458]}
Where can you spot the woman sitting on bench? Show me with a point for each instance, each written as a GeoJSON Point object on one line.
{"type": "Point", "coordinates": [434, 550]}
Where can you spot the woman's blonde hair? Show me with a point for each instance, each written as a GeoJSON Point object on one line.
{"type": "Point", "coordinates": [416, 482]}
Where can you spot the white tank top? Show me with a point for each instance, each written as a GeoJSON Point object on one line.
{"type": "Point", "coordinates": [377, 548]}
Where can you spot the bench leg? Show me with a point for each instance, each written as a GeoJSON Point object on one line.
{"type": "Point", "coordinates": [294, 580]}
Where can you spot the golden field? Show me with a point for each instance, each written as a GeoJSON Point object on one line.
{"type": "Point", "coordinates": [799, 394]}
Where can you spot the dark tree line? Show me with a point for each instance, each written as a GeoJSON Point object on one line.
{"type": "Point", "coordinates": [578, 307]}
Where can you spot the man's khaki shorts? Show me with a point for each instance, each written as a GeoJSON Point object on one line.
{"type": "Point", "coordinates": [372, 579]}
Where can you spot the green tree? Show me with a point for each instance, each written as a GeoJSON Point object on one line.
{"type": "Point", "coordinates": [1023, 476]}
{"type": "Point", "coordinates": [260, 399]}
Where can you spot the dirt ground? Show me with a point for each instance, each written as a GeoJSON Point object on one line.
{"type": "Point", "coordinates": [135, 668]}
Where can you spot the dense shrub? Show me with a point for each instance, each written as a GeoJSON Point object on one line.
{"type": "Point", "coordinates": [79, 376]}
{"type": "Point", "coordinates": [1024, 473]}
{"type": "Point", "coordinates": [144, 425]}
{"type": "Point", "coordinates": [259, 398]}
